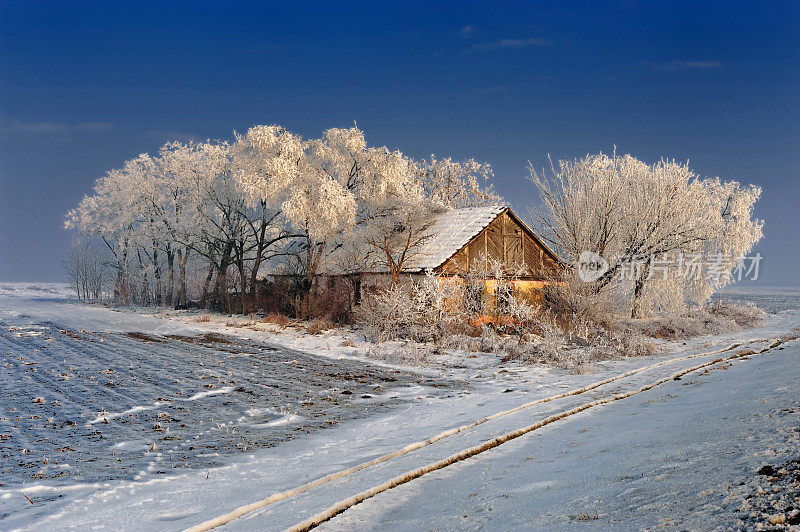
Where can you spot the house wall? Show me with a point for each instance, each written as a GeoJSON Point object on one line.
{"type": "Point", "coordinates": [528, 290]}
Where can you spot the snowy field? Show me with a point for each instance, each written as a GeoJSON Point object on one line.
{"type": "Point", "coordinates": [159, 421]}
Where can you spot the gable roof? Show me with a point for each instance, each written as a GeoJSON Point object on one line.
{"type": "Point", "coordinates": [450, 232]}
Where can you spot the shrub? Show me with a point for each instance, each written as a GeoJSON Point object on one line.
{"type": "Point", "coordinates": [716, 319]}
{"type": "Point", "coordinates": [276, 318]}
{"type": "Point", "coordinates": [320, 325]}
{"type": "Point", "coordinates": [743, 315]}
{"type": "Point", "coordinates": [434, 308]}
{"type": "Point", "coordinates": [410, 310]}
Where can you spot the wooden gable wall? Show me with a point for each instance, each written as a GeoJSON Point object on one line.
{"type": "Point", "coordinates": [504, 239]}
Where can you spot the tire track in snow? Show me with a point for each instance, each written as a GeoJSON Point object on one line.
{"type": "Point", "coordinates": [279, 496]}
{"type": "Point", "coordinates": [345, 504]}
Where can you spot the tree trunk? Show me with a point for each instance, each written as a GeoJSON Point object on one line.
{"type": "Point", "coordinates": [157, 275]}
{"type": "Point", "coordinates": [243, 288]}
{"type": "Point", "coordinates": [638, 288]}
{"type": "Point", "coordinates": [204, 294]}
{"type": "Point", "coordinates": [183, 256]}
{"type": "Point", "coordinates": [145, 289]}
{"type": "Point", "coordinates": [170, 276]}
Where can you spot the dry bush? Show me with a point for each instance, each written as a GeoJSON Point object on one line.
{"type": "Point", "coordinates": [203, 318]}
{"type": "Point", "coordinates": [276, 318]}
{"type": "Point", "coordinates": [275, 296]}
{"type": "Point", "coordinates": [575, 303]}
{"type": "Point", "coordinates": [587, 332]}
{"type": "Point", "coordinates": [320, 325]}
{"type": "Point", "coordinates": [573, 330]}
{"type": "Point", "coordinates": [332, 298]}
{"type": "Point", "coordinates": [435, 308]}
{"type": "Point", "coordinates": [631, 343]}
{"type": "Point", "coordinates": [716, 319]}
{"type": "Point", "coordinates": [743, 315]}
{"type": "Point", "coordinates": [794, 335]}
{"type": "Point", "coordinates": [576, 325]}
{"type": "Point", "coordinates": [348, 343]}
{"type": "Point", "coordinates": [407, 353]}
{"type": "Point", "coordinates": [576, 344]}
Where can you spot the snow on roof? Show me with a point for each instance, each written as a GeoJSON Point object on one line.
{"type": "Point", "coordinates": [450, 232]}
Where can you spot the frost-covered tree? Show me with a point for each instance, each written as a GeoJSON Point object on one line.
{"type": "Point", "coordinates": [396, 198]}
{"type": "Point", "coordinates": [272, 166]}
{"type": "Point", "coordinates": [231, 229]}
{"type": "Point", "coordinates": [458, 184]}
{"type": "Point", "coordinates": [391, 208]}
{"type": "Point", "coordinates": [112, 215]}
{"type": "Point", "coordinates": [643, 215]}
{"type": "Point", "coordinates": [85, 269]}
{"type": "Point", "coordinates": [175, 209]}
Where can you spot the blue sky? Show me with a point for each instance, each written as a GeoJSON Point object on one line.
{"type": "Point", "coordinates": [84, 86]}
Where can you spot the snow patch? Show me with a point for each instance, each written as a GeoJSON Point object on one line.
{"type": "Point", "coordinates": [200, 395]}
{"type": "Point", "coordinates": [102, 416]}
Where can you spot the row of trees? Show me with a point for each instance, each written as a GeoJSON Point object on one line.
{"type": "Point", "coordinates": [212, 218]}
{"type": "Point", "coordinates": [268, 201]}
{"type": "Point", "coordinates": [85, 270]}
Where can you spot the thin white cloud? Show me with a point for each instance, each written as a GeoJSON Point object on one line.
{"type": "Point", "coordinates": [54, 128]}
{"type": "Point", "coordinates": [689, 65]}
{"type": "Point", "coordinates": [528, 42]}
{"type": "Point", "coordinates": [467, 30]}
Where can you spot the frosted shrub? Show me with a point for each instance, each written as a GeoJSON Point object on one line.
{"type": "Point", "coordinates": [276, 318]}
{"type": "Point", "coordinates": [742, 315]}
{"type": "Point", "coordinates": [404, 310]}
{"type": "Point", "coordinates": [450, 309]}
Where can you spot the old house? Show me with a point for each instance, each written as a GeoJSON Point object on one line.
{"type": "Point", "coordinates": [461, 243]}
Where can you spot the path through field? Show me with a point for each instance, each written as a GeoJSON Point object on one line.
{"type": "Point", "coordinates": [685, 455]}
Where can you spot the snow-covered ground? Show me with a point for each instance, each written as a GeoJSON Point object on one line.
{"type": "Point", "coordinates": [682, 456]}
{"type": "Point", "coordinates": [37, 291]}
{"type": "Point", "coordinates": [162, 420]}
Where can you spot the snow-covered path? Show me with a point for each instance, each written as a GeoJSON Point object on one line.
{"type": "Point", "coordinates": [176, 500]}
{"type": "Point", "coordinates": [679, 456]}
{"type": "Point", "coordinates": [289, 512]}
